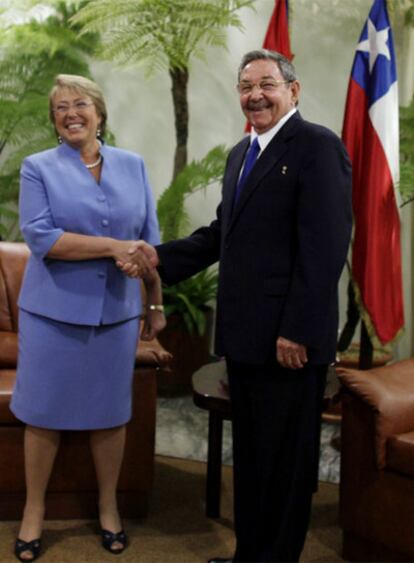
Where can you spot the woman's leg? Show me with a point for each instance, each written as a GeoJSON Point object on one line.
{"type": "Point", "coordinates": [108, 451]}
{"type": "Point", "coordinates": [40, 448]}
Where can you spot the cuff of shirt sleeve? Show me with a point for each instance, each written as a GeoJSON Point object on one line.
{"type": "Point", "coordinates": [40, 244]}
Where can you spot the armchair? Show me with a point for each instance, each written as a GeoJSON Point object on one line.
{"type": "Point", "coordinates": [377, 463]}
{"type": "Point", "coordinates": [72, 490]}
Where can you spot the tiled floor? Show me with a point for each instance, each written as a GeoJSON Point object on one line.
{"type": "Point", "coordinates": [182, 432]}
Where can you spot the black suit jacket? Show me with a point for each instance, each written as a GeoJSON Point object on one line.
{"type": "Point", "coordinates": [282, 248]}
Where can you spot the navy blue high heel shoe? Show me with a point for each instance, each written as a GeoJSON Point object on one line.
{"type": "Point", "coordinates": [32, 546]}
{"type": "Point", "coordinates": [109, 538]}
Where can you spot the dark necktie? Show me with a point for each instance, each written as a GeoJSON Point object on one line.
{"type": "Point", "coordinates": [251, 157]}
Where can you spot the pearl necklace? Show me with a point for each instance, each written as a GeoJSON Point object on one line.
{"type": "Point", "coordinates": [94, 164]}
{"type": "Point", "coordinates": [97, 162]}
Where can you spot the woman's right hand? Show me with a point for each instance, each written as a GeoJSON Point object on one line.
{"type": "Point", "coordinates": [141, 266]}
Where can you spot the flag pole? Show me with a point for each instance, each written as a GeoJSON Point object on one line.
{"type": "Point", "coordinates": [366, 350]}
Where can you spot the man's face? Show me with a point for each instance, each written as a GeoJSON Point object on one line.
{"type": "Point", "coordinates": [264, 96]}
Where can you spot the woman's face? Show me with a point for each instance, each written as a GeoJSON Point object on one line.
{"type": "Point", "coordinates": [76, 118]}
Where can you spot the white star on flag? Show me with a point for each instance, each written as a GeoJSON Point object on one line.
{"type": "Point", "coordinates": [375, 45]}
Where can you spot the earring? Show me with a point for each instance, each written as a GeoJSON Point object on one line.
{"type": "Point", "coordinates": [60, 140]}
{"type": "Point", "coordinates": [98, 133]}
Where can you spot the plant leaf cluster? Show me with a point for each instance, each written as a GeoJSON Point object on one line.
{"type": "Point", "coordinates": [196, 176]}
{"type": "Point", "coordinates": [407, 153]}
{"type": "Point", "coordinates": [404, 8]}
{"type": "Point", "coordinates": [31, 55]}
{"type": "Point", "coordinates": [190, 297]}
{"type": "Point", "coordinates": [164, 33]}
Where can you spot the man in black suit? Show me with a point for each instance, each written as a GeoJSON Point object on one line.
{"type": "Point", "coordinates": [281, 237]}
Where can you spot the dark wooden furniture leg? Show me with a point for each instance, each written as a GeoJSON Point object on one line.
{"type": "Point", "coordinates": [210, 393]}
{"type": "Point", "coordinates": [215, 436]}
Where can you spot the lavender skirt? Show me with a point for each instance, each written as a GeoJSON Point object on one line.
{"type": "Point", "coordinates": [74, 377]}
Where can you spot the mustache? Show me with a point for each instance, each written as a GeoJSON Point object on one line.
{"type": "Point", "coordinates": [262, 104]}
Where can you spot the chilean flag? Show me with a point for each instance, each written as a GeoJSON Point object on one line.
{"type": "Point", "coordinates": [371, 135]}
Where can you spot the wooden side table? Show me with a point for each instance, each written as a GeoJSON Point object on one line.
{"type": "Point", "coordinates": [210, 393]}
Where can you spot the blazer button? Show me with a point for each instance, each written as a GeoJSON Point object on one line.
{"type": "Point", "coordinates": [101, 198]}
{"type": "Point", "coordinates": [101, 274]}
{"type": "Point", "coordinates": [105, 222]}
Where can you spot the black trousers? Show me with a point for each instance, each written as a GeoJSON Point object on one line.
{"type": "Point", "coordinates": [276, 431]}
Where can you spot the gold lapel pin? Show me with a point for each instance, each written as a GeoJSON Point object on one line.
{"type": "Point", "coordinates": [284, 169]}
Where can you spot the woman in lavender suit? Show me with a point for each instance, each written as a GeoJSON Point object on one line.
{"type": "Point", "coordinates": [82, 207]}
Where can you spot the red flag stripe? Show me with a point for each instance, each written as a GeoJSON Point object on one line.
{"type": "Point", "coordinates": [277, 35]}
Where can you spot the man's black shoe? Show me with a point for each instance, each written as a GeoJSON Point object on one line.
{"type": "Point", "coordinates": [220, 560]}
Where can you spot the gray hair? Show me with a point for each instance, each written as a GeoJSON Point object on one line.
{"type": "Point", "coordinates": [83, 86]}
{"type": "Point", "coordinates": [287, 70]}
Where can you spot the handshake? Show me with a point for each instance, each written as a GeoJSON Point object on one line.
{"type": "Point", "coordinates": [136, 259]}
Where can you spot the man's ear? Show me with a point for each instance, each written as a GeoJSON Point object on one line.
{"type": "Point", "coordinates": [295, 89]}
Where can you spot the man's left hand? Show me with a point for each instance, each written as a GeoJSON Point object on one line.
{"type": "Point", "coordinates": [290, 354]}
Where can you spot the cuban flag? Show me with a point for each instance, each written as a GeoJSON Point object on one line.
{"type": "Point", "coordinates": [277, 35]}
{"type": "Point", "coordinates": [371, 135]}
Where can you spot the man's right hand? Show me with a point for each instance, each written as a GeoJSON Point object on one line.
{"type": "Point", "coordinates": [141, 259]}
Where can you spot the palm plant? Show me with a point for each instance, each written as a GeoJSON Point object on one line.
{"type": "Point", "coordinates": [31, 55]}
{"type": "Point", "coordinates": [164, 34]}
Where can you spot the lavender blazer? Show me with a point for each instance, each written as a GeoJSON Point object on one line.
{"type": "Point", "coordinates": [58, 194]}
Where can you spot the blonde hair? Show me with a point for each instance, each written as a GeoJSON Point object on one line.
{"type": "Point", "coordinates": [83, 86]}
